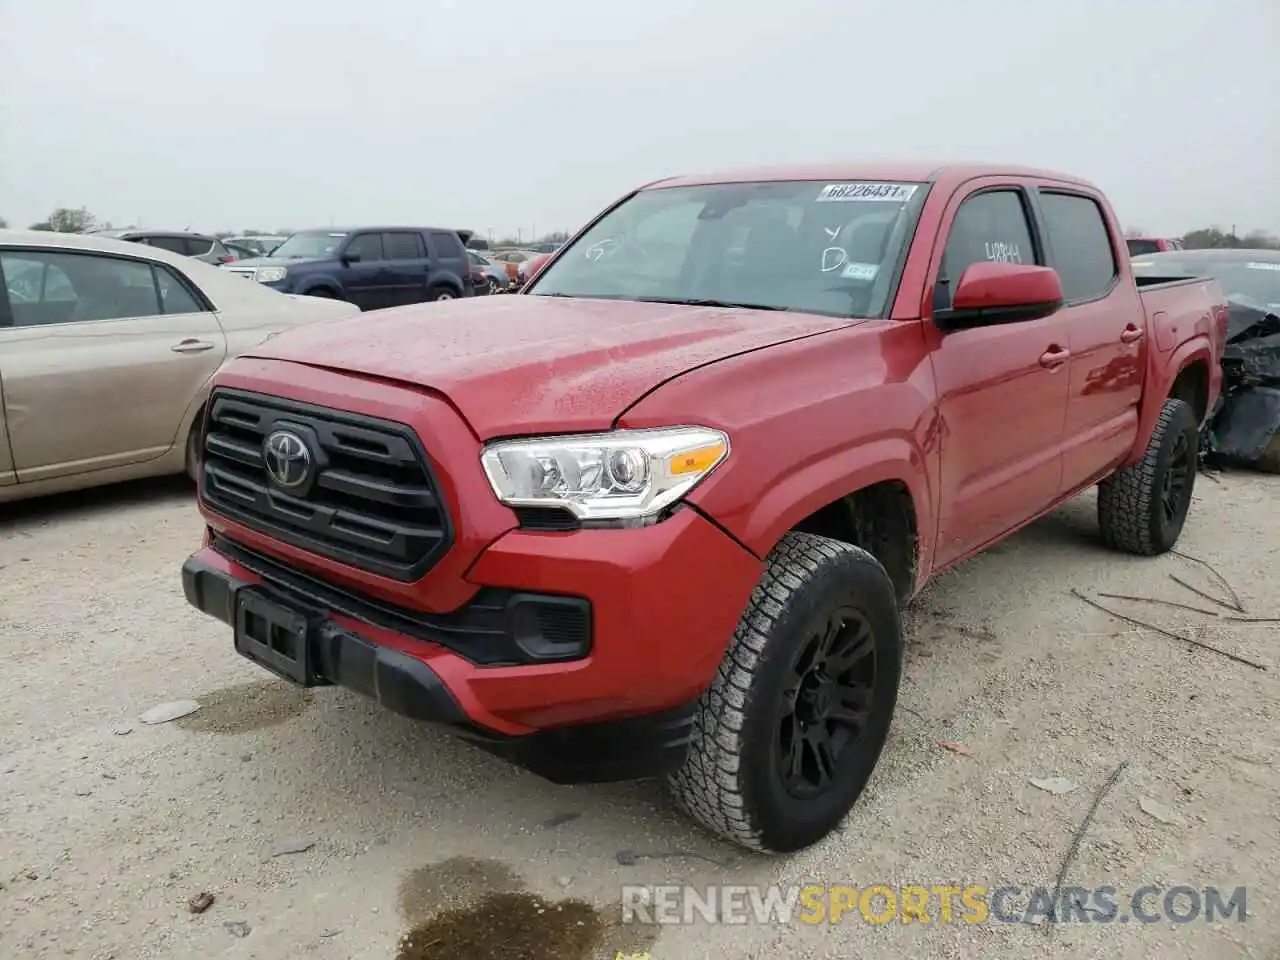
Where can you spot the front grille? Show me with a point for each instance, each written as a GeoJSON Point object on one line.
{"type": "Point", "coordinates": [371, 500]}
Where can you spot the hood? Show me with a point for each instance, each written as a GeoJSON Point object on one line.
{"type": "Point", "coordinates": [274, 261]}
{"type": "Point", "coordinates": [526, 364]}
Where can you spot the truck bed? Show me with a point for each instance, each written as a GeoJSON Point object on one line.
{"type": "Point", "coordinates": [1180, 297]}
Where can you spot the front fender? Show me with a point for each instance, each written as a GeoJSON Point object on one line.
{"type": "Point", "coordinates": [309, 284]}
{"type": "Point", "coordinates": [810, 486]}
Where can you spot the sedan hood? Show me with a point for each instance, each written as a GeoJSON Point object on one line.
{"type": "Point", "coordinates": [528, 364]}
{"type": "Point", "coordinates": [272, 261]}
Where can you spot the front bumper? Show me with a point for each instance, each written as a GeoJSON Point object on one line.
{"type": "Point", "coordinates": [663, 602]}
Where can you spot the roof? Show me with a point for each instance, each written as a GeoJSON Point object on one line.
{"type": "Point", "coordinates": [1228, 254]}
{"type": "Point", "coordinates": [881, 170]}
{"type": "Point", "coordinates": [220, 285]}
{"type": "Point", "coordinates": [376, 227]}
{"type": "Point", "coordinates": [96, 242]}
{"type": "Point", "coordinates": [143, 232]}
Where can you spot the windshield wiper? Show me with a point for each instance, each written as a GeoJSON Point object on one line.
{"type": "Point", "coordinates": [700, 302]}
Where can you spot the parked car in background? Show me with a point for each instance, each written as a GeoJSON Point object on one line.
{"type": "Point", "coordinates": [494, 273]}
{"type": "Point", "coordinates": [526, 270]}
{"type": "Point", "coordinates": [1140, 245]}
{"type": "Point", "coordinates": [1249, 275]}
{"type": "Point", "coordinates": [106, 352]}
{"type": "Point", "coordinates": [1245, 429]}
{"type": "Point", "coordinates": [658, 514]}
{"type": "Point", "coordinates": [511, 260]}
{"type": "Point", "coordinates": [198, 245]}
{"type": "Point", "coordinates": [239, 252]}
{"type": "Point", "coordinates": [372, 267]}
{"type": "Point", "coordinates": [549, 246]}
{"type": "Point", "coordinates": [260, 244]}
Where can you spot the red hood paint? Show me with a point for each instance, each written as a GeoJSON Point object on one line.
{"type": "Point", "coordinates": [527, 364]}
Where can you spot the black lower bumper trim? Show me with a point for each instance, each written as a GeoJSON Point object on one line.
{"type": "Point", "coordinates": [630, 749]}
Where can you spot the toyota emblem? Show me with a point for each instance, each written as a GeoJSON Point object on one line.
{"type": "Point", "coordinates": [287, 458]}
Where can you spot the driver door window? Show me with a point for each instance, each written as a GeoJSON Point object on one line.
{"type": "Point", "coordinates": [368, 246]}
{"type": "Point", "coordinates": [990, 227]}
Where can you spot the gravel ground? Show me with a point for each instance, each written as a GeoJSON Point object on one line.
{"type": "Point", "coordinates": [108, 826]}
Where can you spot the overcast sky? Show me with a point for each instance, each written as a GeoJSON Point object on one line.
{"type": "Point", "coordinates": [226, 114]}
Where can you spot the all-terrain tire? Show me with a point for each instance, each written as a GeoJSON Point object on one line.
{"type": "Point", "coordinates": [731, 781]}
{"type": "Point", "coordinates": [1133, 503]}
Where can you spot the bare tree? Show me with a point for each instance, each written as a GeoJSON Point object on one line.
{"type": "Point", "coordinates": [68, 220]}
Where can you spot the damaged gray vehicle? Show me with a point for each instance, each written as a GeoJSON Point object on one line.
{"type": "Point", "coordinates": [1244, 428]}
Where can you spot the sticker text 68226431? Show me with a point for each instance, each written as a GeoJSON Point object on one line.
{"type": "Point", "coordinates": [887, 192]}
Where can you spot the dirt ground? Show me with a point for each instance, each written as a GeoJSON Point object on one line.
{"type": "Point", "coordinates": [326, 828]}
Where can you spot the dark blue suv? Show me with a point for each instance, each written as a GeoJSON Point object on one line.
{"type": "Point", "coordinates": [372, 267]}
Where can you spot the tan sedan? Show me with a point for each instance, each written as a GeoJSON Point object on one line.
{"type": "Point", "coordinates": [106, 353]}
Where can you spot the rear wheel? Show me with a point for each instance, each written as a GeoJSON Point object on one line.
{"type": "Point", "coordinates": [791, 727]}
{"type": "Point", "coordinates": [443, 294]}
{"type": "Point", "coordinates": [323, 294]}
{"type": "Point", "coordinates": [1142, 509]}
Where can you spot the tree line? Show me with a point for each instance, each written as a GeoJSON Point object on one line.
{"type": "Point", "coordinates": [80, 220]}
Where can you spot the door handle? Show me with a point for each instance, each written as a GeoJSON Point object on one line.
{"type": "Point", "coordinates": [191, 345]}
{"type": "Point", "coordinates": [1054, 357]}
{"type": "Point", "coordinates": [1131, 334]}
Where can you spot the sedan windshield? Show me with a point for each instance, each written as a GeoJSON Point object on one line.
{"type": "Point", "coordinates": [313, 245]}
{"type": "Point", "coordinates": [827, 248]}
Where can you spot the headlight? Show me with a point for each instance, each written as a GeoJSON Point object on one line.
{"type": "Point", "coordinates": [270, 274]}
{"type": "Point", "coordinates": [622, 475]}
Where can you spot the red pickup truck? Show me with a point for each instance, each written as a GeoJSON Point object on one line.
{"type": "Point", "coordinates": [657, 514]}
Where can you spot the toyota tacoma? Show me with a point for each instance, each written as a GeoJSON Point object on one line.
{"type": "Point", "coordinates": [656, 515]}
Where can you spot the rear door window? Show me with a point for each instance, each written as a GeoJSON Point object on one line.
{"type": "Point", "coordinates": [1081, 245]}
{"type": "Point", "coordinates": [403, 245]}
{"type": "Point", "coordinates": [172, 244]}
{"type": "Point", "coordinates": [174, 295]}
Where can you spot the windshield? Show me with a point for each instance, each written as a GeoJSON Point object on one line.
{"type": "Point", "coordinates": [313, 245]}
{"type": "Point", "coordinates": [1255, 281]}
{"type": "Point", "coordinates": [827, 248]}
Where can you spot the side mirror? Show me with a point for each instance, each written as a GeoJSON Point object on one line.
{"type": "Point", "coordinates": [992, 293]}
{"type": "Point", "coordinates": [351, 256]}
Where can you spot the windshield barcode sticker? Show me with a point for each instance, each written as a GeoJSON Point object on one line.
{"type": "Point", "coordinates": [1258, 265]}
{"type": "Point", "coordinates": [890, 192]}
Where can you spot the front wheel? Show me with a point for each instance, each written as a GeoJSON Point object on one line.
{"type": "Point", "coordinates": [787, 735]}
{"type": "Point", "coordinates": [1142, 509]}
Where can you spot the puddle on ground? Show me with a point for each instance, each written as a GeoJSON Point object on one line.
{"type": "Point", "coordinates": [246, 707]}
{"type": "Point", "coordinates": [476, 909]}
